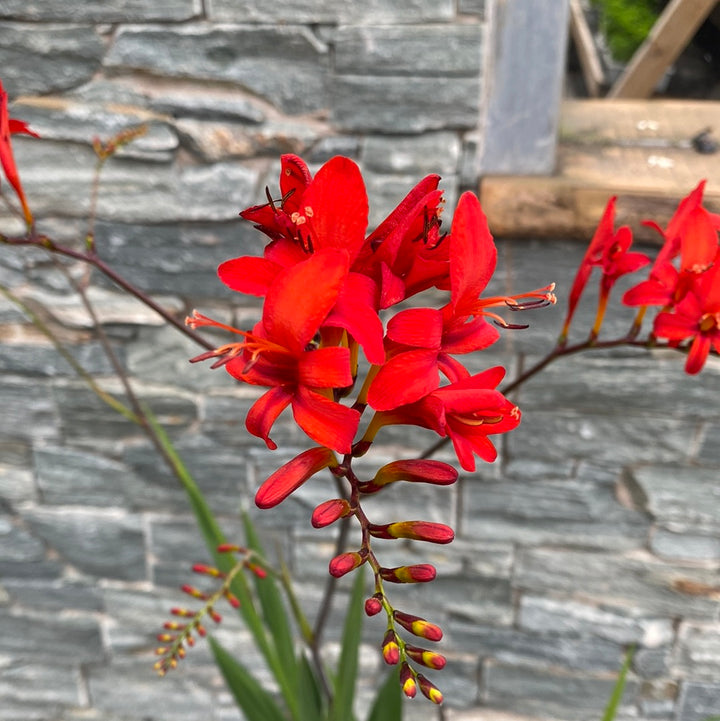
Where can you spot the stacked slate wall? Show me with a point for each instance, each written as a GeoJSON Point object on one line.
{"type": "Point", "coordinates": [599, 526]}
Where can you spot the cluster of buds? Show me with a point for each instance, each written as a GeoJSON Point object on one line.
{"type": "Point", "coordinates": [328, 291]}
{"type": "Point", "coordinates": [180, 633]}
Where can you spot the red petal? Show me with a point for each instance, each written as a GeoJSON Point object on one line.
{"type": "Point", "coordinates": [294, 179]}
{"type": "Point", "coordinates": [325, 368]}
{"type": "Point", "coordinates": [418, 327]}
{"type": "Point", "coordinates": [336, 207]}
{"type": "Point", "coordinates": [404, 379]}
{"type": "Point", "coordinates": [249, 274]}
{"type": "Point", "coordinates": [355, 312]}
{"type": "Point", "coordinates": [326, 422]}
{"type": "Point", "coordinates": [473, 255]}
{"type": "Point", "coordinates": [264, 413]}
{"type": "Point", "coordinates": [300, 298]}
{"type": "Point", "coordinates": [292, 475]}
{"type": "Point", "coordinates": [698, 354]}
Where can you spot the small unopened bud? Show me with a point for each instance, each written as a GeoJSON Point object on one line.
{"type": "Point", "coordinates": [329, 512]}
{"type": "Point", "coordinates": [414, 471]}
{"type": "Point", "coordinates": [194, 592]}
{"type": "Point", "coordinates": [183, 612]}
{"type": "Point", "coordinates": [230, 548]}
{"type": "Point", "coordinates": [214, 615]}
{"type": "Point", "coordinates": [429, 689]}
{"type": "Point", "coordinates": [207, 570]}
{"type": "Point", "coordinates": [391, 648]}
{"type": "Point", "coordinates": [418, 626]}
{"type": "Point", "coordinates": [420, 573]}
{"type": "Point", "coordinates": [407, 681]}
{"type": "Point", "coordinates": [414, 530]}
{"type": "Point", "coordinates": [232, 599]}
{"type": "Point", "coordinates": [425, 657]}
{"type": "Point", "coordinates": [292, 475]}
{"type": "Point", "coordinates": [259, 571]}
{"type": "Point", "coordinates": [373, 605]}
{"type": "Point", "coordinates": [345, 562]}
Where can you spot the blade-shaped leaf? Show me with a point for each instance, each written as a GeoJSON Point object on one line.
{"type": "Point", "coordinates": [256, 703]}
{"type": "Point", "coordinates": [312, 706]}
{"type": "Point", "coordinates": [276, 620]}
{"type": "Point", "coordinates": [387, 705]}
{"type": "Point", "coordinates": [614, 702]}
{"type": "Point", "coordinates": [341, 708]}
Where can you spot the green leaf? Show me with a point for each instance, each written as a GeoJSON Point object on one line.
{"type": "Point", "coordinates": [311, 696]}
{"type": "Point", "coordinates": [387, 705]}
{"type": "Point", "coordinates": [612, 707]}
{"type": "Point", "coordinates": [276, 620]}
{"type": "Point", "coordinates": [254, 701]}
{"type": "Point", "coordinates": [341, 708]}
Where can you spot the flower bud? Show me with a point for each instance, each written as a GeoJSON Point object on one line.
{"type": "Point", "coordinates": [292, 475]}
{"type": "Point", "coordinates": [429, 689]}
{"type": "Point", "coordinates": [345, 562]}
{"type": "Point", "coordinates": [407, 681]}
{"type": "Point", "coordinates": [425, 657]}
{"type": "Point", "coordinates": [414, 471]}
{"type": "Point", "coordinates": [415, 531]}
{"type": "Point", "coordinates": [390, 648]}
{"type": "Point", "coordinates": [420, 573]}
{"type": "Point", "coordinates": [373, 605]}
{"type": "Point", "coordinates": [418, 626]}
{"type": "Point", "coordinates": [329, 512]}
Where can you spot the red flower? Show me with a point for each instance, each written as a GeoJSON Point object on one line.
{"type": "Point", "coordinates": [467, 411]}
{"type": "Point", "coordinates": [279, 353]}
{"type": "Point", "coordinates": [692, 233]}
{"type": "Point", "coordinates": [608, 250]}
{"type": "Point", "coordinates": [696, 318]}
{"type": "Point", "coordinates": [9, 126]}
{"type": "Point", "coordinates": [423, 340]}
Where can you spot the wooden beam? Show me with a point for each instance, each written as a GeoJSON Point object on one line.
{"type": "Point", "coordinates": [667, 39]}
{"type": "Point", "coordinates": [590, 64]}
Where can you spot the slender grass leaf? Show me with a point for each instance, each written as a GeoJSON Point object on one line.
{"type": "Point", "coordinates": [312, 705]}
{"type": "Point", "coordinates": [254, 701]}
{"type": "Point", "coordinates": [615, 698]}
{"type": "Point", "coordinates": [341, 708]}
{"type": "Point", "coordinates": [387, 705]}
{"type": "Point", "coordinates": [276, 620]}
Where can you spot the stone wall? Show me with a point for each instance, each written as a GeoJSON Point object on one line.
{"type": "Point", "coordinates": [598, 528]}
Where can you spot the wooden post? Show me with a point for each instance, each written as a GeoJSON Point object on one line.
{"type": "Point", "coordinates": [667, 39]}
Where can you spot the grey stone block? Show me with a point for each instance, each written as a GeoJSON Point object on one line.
{"type": "Point", "coordinates": [132, 191]}
{"type": "Point", "coordinates": [413, 155]}
{"type": "Point", "coordinates": [52, 596]}
{"type": "Point", "coordinates": [544, 512]}
{"type": "Point", "coordinates": [710, 449]}
{"type": "Point", "coordinates": [71, 476]}
{"type": "Point", "coordinates": [651, 662]}
{"type": "Point", "coordinates": [640, 580]}
{"type": "Point", "coordinates": [327, 11]}
{"type": "Point", "coordinates": [698, 701]}
{"type": "Point", "coordinates": [696, 654]}
{"type": "Point", "coordinates": [101, 11]}
{"type": "Point", "coordinates": [60, 119]}
{"type": "Point", "coordinates": [547, 693]}
{"type": "Point", "coordinates": [513, 647]}
{"type": "Point", "coordinates": [32, 687]}
{"type": "Point", "coordinates": [621, 625]}
{"type": "Point", "coordinates": [284, 64]}
{"type": "Point", "coordinates": [17, 544]}
{"type": "Point", "coordinates": [680, 543]}
{"type": "Point", "coordinates": [45, 361]}
{"type": "Point", "coordinates": [30, 54]}
{"type": "Point", "coordinates": [29, 411]}
{"type": "Point", "coordinates": [213, 141]}
{"type": "Point", "coordinates": [420, 104]}
{"type": "Point", "coordinates": [50, 638]}
{"type": "Point", "coordinates": [102, 543]}
{"type": "Point", "coordinates": [430, 50]}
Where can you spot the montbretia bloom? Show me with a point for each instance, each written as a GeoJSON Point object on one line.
{"type": "Point", "coordinates": [280, 354]}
